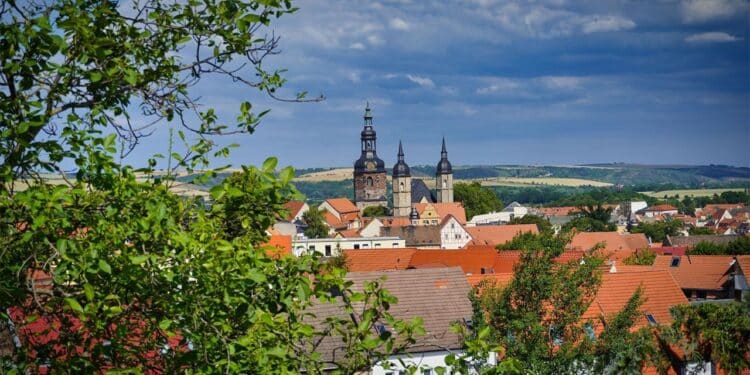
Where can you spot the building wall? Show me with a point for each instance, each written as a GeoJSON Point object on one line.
{"type": "Point", "coordinates": [424, 361]}
{"type": "Point", "coordinates": [453, 235]}
{"type": "Point", "coordinates": [372, 229]}
{"type": "Point", "coordinates": [401, 196]}
{"type": "Point", "coordinates": [444, 188]}
{"type": "Point", "coordinates": [369, 186]}
{"type": "Point", "coordinates": [332, 246]}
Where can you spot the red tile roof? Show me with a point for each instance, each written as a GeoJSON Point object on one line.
{"type": "Point", "coordinates": [378, 260]}
{"type": "Point", "coordinates": [293, 207]}
{"type": "Point", "coordinates": [349, 233]}
{"type": "Point", "coordinates": [470, 260]}
{"type": "Point", "coordinates": [617, 246]}
{"type": "Point", "coordinates": [660, 207]}
{"type": "Point", "coordinates": [278, 245]}
{"type": "Point", "coordinates": [496, 279]}
{"type": "Point", "coordinates": [558, 211]}
{"type": "Point", "coordinates": [498, 234]}
{"type": "Point", "coordinates": [660, 291]}
{"type": "Point", "coordinates": [707, 272]}
{"type": "Point", "coordinates": [343, 205]}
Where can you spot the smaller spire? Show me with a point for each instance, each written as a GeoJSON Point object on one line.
{"type": "Point", "coordinates": [400, 151]}
{"type": "Point", "coordinates": [444, 152]}
{"type": "Point", "coordinates": [368, 112]}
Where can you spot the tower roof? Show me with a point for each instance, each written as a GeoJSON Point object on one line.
{"type": "Point", "coordinates": [401, 169]}
{"type": "Point", "coordinates": [444, 166]}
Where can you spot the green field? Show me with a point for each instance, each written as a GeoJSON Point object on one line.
{"type": "Point", "coordinates": [688, 192]}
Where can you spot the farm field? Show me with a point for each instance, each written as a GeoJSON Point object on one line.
{"type": "Point", "coordinates": [553, 181]}
{"type": "Point", "coordinates": [688, 192]}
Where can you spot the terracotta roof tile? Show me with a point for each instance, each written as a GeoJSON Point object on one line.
{"type": "Point", "coordinates": [278, 245]}
{"type": "Point", "coordinates": [342, 205]}
{"type": "Point", "coordinates": [349, 233]}
{"type": "Point", "coordinates": [496, 279]}
{"type": "Point", "coordinates": [470, 260]}
{"type": "Point", "coordinates": [498, 234]}
{"type": "Point", "coordinates": [558, 211]}
{"type": "Point", "coordinates": [707, 272]}
{"type": "Point", "coordinates": [660, 207]}
{"type": "Point", "coordinates": [617, 246]}
{"type": "Point", "coordinates": [293, 207]}
{"type": "Point", "coordinates": [378, 260]}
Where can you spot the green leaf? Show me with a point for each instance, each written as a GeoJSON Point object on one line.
{"type": "Point", "coordinates": [74, 305]}
{"type": "Point", "coordinates": [89, 291]}
{"type": "Point", "coordinates": [138, 259]}
{"type": "Point", "coordinates": [104, 266]}
{"type": "Point", "coordinates": [286, 174]}
{"type": "Point", "coordinates": [96, 76]}
{"type": "Point", "coordinates": [165, 324]}
{"type": "Point", "coordinates": [270, 164]}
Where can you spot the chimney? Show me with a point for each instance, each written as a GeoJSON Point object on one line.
{"type": "Point", "coordinates": [613, 267]}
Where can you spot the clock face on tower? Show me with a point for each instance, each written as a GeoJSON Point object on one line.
{"type": "Point", "coordinates": [370, 165]}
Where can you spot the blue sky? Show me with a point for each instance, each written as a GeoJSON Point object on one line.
{"type": "Point", "coordinates": [506, 82]}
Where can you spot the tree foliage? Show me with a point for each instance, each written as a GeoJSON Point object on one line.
{"type": "Point", "coordinates": [316, 226]}
{"type": "Point", "coordinates": [642, 257]}
{"type": "Point", "coordinates": [542, 224]}
{"type": "Point", "coordinates": [143, 280]}
{"type": "Point", "coordinates": [659, 230]}
{"type": "Point", "coordinates": [477, 200]}
{"type": "Point", "coordinates": [591, 217]}
{"type": "Point", "coordinates": [740, 246]}
{"type": "Point", "coordinates": [375, 211]}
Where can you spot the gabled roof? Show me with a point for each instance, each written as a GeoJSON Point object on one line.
{"type": "Point", "coordinates": [444, 209]}
{"type": "Point", "coordinates": [420, 190]}
{"type": "Point", "coordinates": [705, 272]}
{"type": "Point", "coordinates": [349, 233]}
{"type": "Point", "coordinates": [743, 261]}
{"type": "Point", "coordinates": [557, 211]}
{"type": "Point", "coordinates": [333, 221]}
{"type": "Point", "coordinates": [660, 292]}
{"type": "Point", "coordinates": [691, 241]}
{"type": "Point", "coordinates": [378, 259]}
{"type": "Point", "coordinates": [415, 236]}
{"type": "Point", "coordinates": [616, 246]}
{"type": "Point", "coordinates": [660, 207]}
{"type": "Point", "coordinates": [342, 205]}
{"type": "Point", "coordinates": [293, 207]}
{"type": "Point", "coordinates": [438, 295]}
{"type": "Point", "coordinates": [498, 234]}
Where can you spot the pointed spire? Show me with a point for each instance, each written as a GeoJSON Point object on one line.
{"type": "Point", "coordinates": [400, 151]}
{"type": "Point", "coordinates": [444, 152]}
{"type": "Point", "coordinates": [401, 169]}
{"type": "Point", "coordinates": [368, 112]}
{"type": "Point", "coordinates": [444, 166]}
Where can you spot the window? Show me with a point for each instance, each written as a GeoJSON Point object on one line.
{"type": "Point", "coordinates": [356, 246]}
{"type": "Point", "coordinates": [556, 334]}
{"type": "Point", "coordinates": [445, 183]}
{"type": "Point", "coordinates": [427, 372]}
{"type": "Point", "coordinates": [482, 271]}
{"type": "Point", "coordinates": [377, 245]}
{"type": "Point", "coordinates": [453, 225]}
{"type": "Point", "coordinates": [395, 244]}
{"type": "Point", "coordinates": [651, 319]}
{"type": "Point", "coordinates": [328, 250]}
{"type": "Point", "coordinates": [369, 181]}
{"type": "Point", "coordinates": [402, 185]}
{"type": "Point", "coordinates": [588, 328]}
{"type": "Point", "coordinates": [701, 294]}
{"type": "Point", "coordinates": [311, 248]}
{"type": "Point", "coordinates": [675, 262]}
{"type": "Point", "coordinates": [364, 245]}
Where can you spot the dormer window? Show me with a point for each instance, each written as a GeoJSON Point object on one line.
{"type": "Point", "coordinates": [651, 319]}
{"type": "Point", "coordinates": [675, 262]}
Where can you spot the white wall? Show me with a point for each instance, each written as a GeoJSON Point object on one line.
{"type": "Point", "coordinates": [424, 361]}
{"type": "Point", "coordinates": [302, 244]}
{"type": "Point", "coordinates": [453, 235]}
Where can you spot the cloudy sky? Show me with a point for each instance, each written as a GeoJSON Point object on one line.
{"type": "Point", "coordinates": [508, 82]}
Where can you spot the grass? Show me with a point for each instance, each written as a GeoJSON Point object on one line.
{"type": "Point", "coordinates": [688, 192]}
{"type": "Point", "coordinates": [540, 181]}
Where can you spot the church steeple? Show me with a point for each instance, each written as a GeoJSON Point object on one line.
{"type": "Point", "coordinates": [444, 177]}
{"type": "Point", "coordinates": [401, 169]}
{"type": "Point", "coordinates": [401, 185]}
{"type": "Point", "coordinates": [369, 169]}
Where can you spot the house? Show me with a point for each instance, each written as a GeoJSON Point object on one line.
{"type": "Point", "coordinates": [510, 212]}
{"type": "Point", "coordinates": [493, 235]}
{"type": "Point", "coordinates": [616, 246]}
{"type": "Point", "coordinates": [701, 277]}
{"type": "Point", "coordinates": [333, 246]}
{"type": "Point", "coordinates": [473, 260]}
{"type": "Point", "coordinates": [438, 295]}
{"type": "Point", "coordinates": [340, 214]}
{"type": "Point", "coordinates": [295, 210]}
{"type": "Point", "coordinates": [292, 223]}
{"type": "Point", "coordinates": [658, 210]}
{"type": "Point", "coordinates": [741, 277]}
{"type": "Point", "coordinates": [690, 241]}
{"type": "Point", "coordinates": [453, 235]}
{"type": "Point", "coordinates": [371, 226]}
{"type": "Point", "coordinates": [434, 213]}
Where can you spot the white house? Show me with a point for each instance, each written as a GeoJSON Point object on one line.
{"type": "Point", "coordinates": [452, 234]}
{"type": "Point", "coordinates": [332, 246]}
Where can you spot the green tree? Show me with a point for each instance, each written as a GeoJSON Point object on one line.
{"type": "Point", "coordinates": [316, 226]}
{"type": "Point", "coordinates": [713, 332]}
{"type": "Point", "coordinates": [477, 200]}
{"type": "Point", "coordinates": [542, 224]}
{"type": "Point", "coordinates": [696, 231]}
{"type": "Point", "coordinates": [659, 230]}
{"type": "Point", "coordinates": [130, 261]}
{"type": "Point", "coordinates": [375, 211]}
{"type": "Point", "coordinates": [539, 316]}
{"type": "Point", "coordinates": [740, 246]}
{"type": "Point", "coordinates": [643, 257]}
{"type": "Point", "coordinates": [591, 217]}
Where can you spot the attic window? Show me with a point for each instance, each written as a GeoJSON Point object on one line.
{"type": "Point", "coordinates": [651, 319]}
{"type": "Point", "coordinates": [588, 328]}
{"type": "Point", "coordinates": [675, 262]}
{"type": "Point", "coordinates": [380, 328]}
{"type": "Point", "coordinates": [469, 323]}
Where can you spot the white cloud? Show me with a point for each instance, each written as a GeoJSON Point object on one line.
{"type": "Point", "coordinates": [353, 76]}
{"type": "Point", "coordinates": [498, 85]}
{"type": "Point", "coordinates": [607, 23]}
{"type": "Point", "coordinates": [711, 37]}
{"type": "Point", "coordinates": [695, 11]}
{"type": "Point", "coordinates": [375, 40]}
{"type": "Point", "coordinates": [399, 24]}
{"type": "Point", "coordinates": [561, 82]}
{"type": "Point", "coordinates": [421, 81]}
{"type": "Point", "coordinates": [357, 45]}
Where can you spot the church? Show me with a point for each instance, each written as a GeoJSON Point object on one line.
{"type": "Point", "coordinates": [370, 177]}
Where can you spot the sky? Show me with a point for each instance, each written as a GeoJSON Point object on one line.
{"type": "Point", "coordinates": [505, 82]}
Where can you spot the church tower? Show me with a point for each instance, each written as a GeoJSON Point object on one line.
{"type": "Point", "coordinates": [401, 185]}
{"type": "Point", "coordinates": [444, 178]}
{"type": "Point", "coordinates": [369, 170]}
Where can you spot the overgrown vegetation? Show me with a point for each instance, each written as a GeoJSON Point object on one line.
{"type": "Point", "coordinates": [477, 200]}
